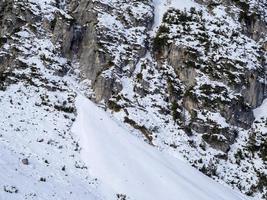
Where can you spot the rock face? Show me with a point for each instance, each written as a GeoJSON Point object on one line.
{"type": "Point", "coordinates": [192, 63]}
{"type": "Point", "coordinates": [79, 38]}
{"type": "Point", "coordinates": [93, 38]}
{"type": "Point", "coordinates": [190, 86]}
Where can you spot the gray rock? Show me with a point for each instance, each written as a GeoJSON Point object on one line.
{"type": "Point", "coordinates": [25, 161]}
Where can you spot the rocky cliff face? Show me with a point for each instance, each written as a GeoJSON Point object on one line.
{"type": "Point", "coordinates": [192, 84]}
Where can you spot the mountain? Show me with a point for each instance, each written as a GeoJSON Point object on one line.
{"type": "Point", "coordinates": [112, 99]}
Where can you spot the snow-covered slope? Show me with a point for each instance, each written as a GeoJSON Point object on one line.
{"type": "Point", "coordinates": [132, 168]}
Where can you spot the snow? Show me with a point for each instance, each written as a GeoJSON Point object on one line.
{"type": "Point", "coordinates": [260, 116]}
{"type": "Point", "coordinates": [126, 165]}
{"type": "Point", "coordinates": [216, 117]}
{"type": "Point", "coordinates": [161, 7]}
{"type": "Point", "coordinates": [261, 111]}
{"type": "Point", "coordinates": [124, 29]}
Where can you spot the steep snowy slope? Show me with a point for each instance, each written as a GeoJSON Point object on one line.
{"type": "Point", "coordinates": [133, 169]}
